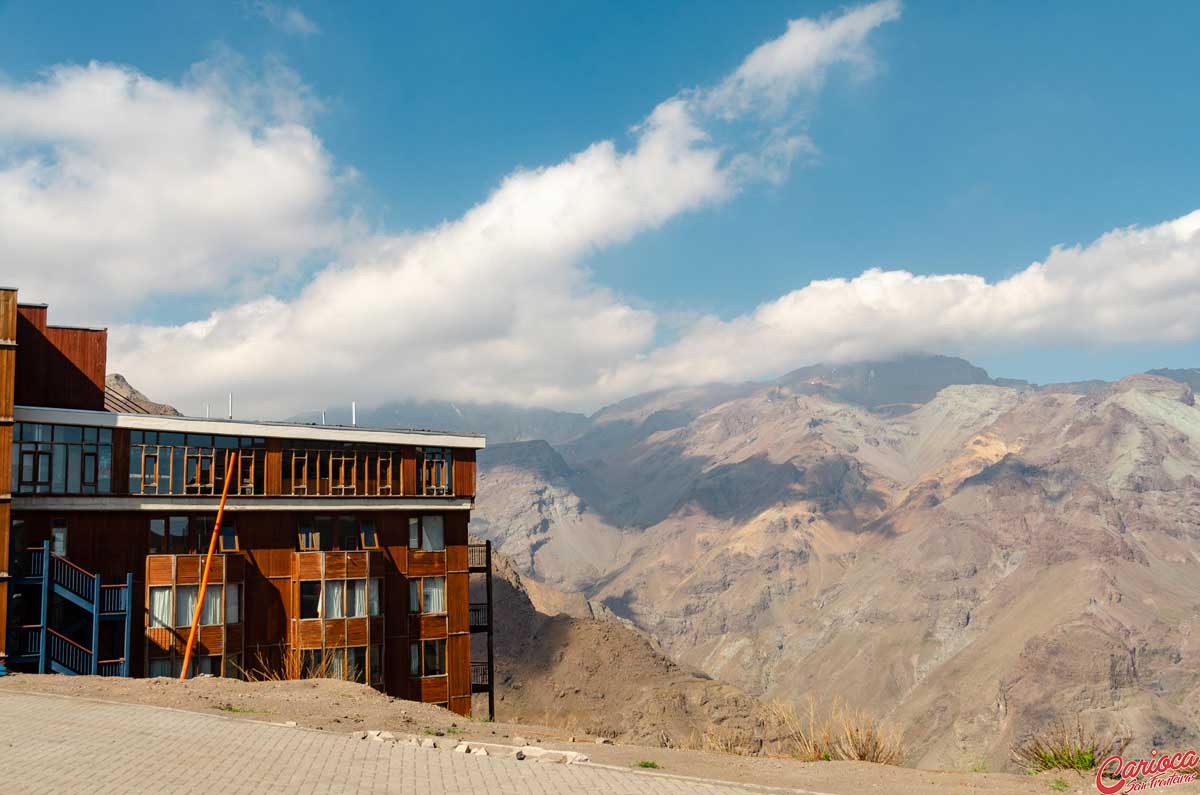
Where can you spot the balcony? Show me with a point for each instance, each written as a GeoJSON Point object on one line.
{"type": "Point", "coordinates": [480, 677]}
{"type": "Point", "coordinates": [479, 615]}
{"type": "Point", "coordinates": [478, 557]}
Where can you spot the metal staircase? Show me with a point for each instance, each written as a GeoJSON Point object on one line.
{"type": "Point", "coordinates": [51, 649]}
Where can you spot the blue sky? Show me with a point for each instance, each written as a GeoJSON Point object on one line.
{"type": "Point", "coordinates": [982, 136]}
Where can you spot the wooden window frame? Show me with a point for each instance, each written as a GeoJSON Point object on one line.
{"type": "Point", "coordinates": [420, 644]}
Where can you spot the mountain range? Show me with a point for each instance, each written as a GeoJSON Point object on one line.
{"type": "Point", "coordinates": [971, 558]}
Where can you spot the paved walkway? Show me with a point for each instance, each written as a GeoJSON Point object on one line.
{"type": "Point", "coordinates": [51, 744]}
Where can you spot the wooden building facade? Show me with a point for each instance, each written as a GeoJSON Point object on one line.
{"type": "Point", "coordinates": [343, 551]}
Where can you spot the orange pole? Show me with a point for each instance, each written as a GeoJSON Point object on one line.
{"type": "Point", "coordinates": [231, 472]}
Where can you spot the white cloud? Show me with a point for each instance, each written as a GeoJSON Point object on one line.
{"type": "Point", "coordinates": [289, 19]}
{"type": "Point", "coordinates": [495, 304]}
{"type": "Point", "coordinates": [1136, 285]}
{"type": "Point", "coordinates": [115, 187]}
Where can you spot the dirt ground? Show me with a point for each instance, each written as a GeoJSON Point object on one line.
{"type": "Point", "coordinates": [344, 707]}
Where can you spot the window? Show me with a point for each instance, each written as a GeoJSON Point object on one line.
{"type": "Point", "coordinates": [177, 536]}
{"type": "Point", "coordinates": [369, 539]}
{"type": "Point", "coordinates": [334, 592]}
{"type": "Point", "coordinates": [426, 532]}
{"type": "Point", "coordinates": [356, 664]}
{"type": "Point", "coordinates": [160, 667]}
{"type": "Point", "coordinates": [58, 538]}
{"type": "Point", "coordinates": [348, 470]}
{"type": "Point", "coordinates": [233, 666]}
{"type": "Point", "coordinates": [210, 613]}
{"type": "Point", "coordinates": [434, 471]}
{"type": "Point", "coordinates": [229, 540]}
{"type": "Point", "coordinates": [356, 598]}
{"type": "Point", "coordinates": [233, 604]}
{"type": "Point", "coordinates": [160, 606]}
{"type": "Point", "coordinates": [312, 664]}
{"type": "Point", "coordinates": [310, 600]}
{"type": "Point", "coordinates": [376, 677]}
{"type": "Point", "coordinates": [309, 540]}
{"type": "Point", "coordinates": [432, 538]}
{"type": "Point", "coordinates": [61, 459]}
{"type": "Point", "coordinates": [207, 664]}
{"type": "Point", "coordinates": [427, 658]}
{"type": "Point", "coordinates": [176, 463]}
{"type": "Point", "coordinates": [158, 536]}
{"type": "Point", "coordinates": [347, 533]}
{"type": "Point", "coordinates": [427, 595]}
{"type": "Point", "coordinates": [185, 604]}
{"type": "Point", "coordinates": [433, 595]}
{"type": "Point", "coordinates": [374, 599]}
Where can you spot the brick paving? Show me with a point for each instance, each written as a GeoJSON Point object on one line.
{"type": "Point", "coordinates": [51, 744]}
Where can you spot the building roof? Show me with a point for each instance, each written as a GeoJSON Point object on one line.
{"type": "Point", "coordinates": [223, 427]}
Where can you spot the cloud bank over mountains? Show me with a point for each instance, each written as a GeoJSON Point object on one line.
{"type": "Point", "coordinates": [116, 188]}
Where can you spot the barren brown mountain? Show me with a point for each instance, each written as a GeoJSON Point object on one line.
{"type": "Point", "coordinates": [968, 557]}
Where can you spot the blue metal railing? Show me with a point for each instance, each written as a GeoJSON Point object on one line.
{"type": "Point", "coordinates": [67, 653]}
{"type": "Point", "coordinates": [114, 599]}
{"type": "Point", "coordinates": [55, 650]}
{"type": "Point", "coordinates": [67, 575]}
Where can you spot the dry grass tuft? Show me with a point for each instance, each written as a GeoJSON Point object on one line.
{"type": "Point", "coordinates": [841, 734]}
{"type": "Point", "coordinates": [1063, 747]}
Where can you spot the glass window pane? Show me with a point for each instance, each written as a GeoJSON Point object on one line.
{"type": "Point", "coordinates": [58, 536]}
{"type": "Point", "coordinates": [414, 533]}
{"type": "Point", "coordinates": [434, 595]}
{"type": "Point", "coordinates": [337, 663]}
{"type": "Point", "coordinates": [160, 608]}
{"type": "Point", "coordinates": [347, 533]}
{"type": "Point", "coordinates": [369, 539]}
{"type": "Point", "coordinates": [431, 533]}
{"type": "Point", "coordinates": [376, 590]}
{"type": "Point", "coordinates": [74, 468]}
{"type": "Point", "coordinates": [334, 593]}
{"type": "Point", "coordinates": [210, 614]}
{"type": "Point", "coordinates": [414, 596]}
{"type": "Point", "coordinates": [356, 598]}
{"type": "Point", "coordinates": [310, 599]}
{"type": "Point", "coordinates": [435, 657]}
{"type": "Point", "coordinates": [233, 604]}
{"type": "Point", "coordinates": [158, 536]}
{"type": "Point", "coordinates": [178, 542]}
{"type": "Point", "coordinates": [104, 481]}
{"type": "Point", "coordinates": [229, 537]}
{"type": "Point", "coordinates": [376, 664]}
{"type": "Point", "coordinates": [414, 659]}
{"type": "Point", "coordinates": [89, 435]}
{"type": "Point", "coordinates": [160, 667]}
{"type": "Point", "coordinates": [185, 604]}
{"type": "Point", "coordinates": [356, 664]}
{"type": "Point", "coordinates": [323, 529]}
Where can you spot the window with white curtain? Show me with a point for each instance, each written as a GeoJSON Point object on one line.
{"type": "Point", "coordinates": [337, 663]}
{"type": "Point", "coordinates": [434, 595]}
{"type": "Point", "coordinates": [334, 592]}
{"type": "Point", "coordinates": [376, 589]}
{"type": "Point", "coordinates": [210, 613]}
{"type": "Point", "coordinates": [233, 604]}
{"type": "Point", "coordinates": [160, 609]}
{"type": "Point", "coordinates": [185, 604]}
{"type": "Point", "coordinates": [433, 539]}
{"type": "Point", "coordinates": [356, 598]}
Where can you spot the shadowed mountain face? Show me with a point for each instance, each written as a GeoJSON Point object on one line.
{"type": "Point", "coordinates": [970, 558]}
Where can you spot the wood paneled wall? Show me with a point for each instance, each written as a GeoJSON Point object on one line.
{"type": "Point", "coordinates": [56, 365]}
{"type": "Point", "coordinates": [115, 542]}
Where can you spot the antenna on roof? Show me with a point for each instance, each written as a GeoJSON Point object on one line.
{"type": "Point", "coordinates": [230, 405]}
{"type": "Point", "coordinates": [322, 416]}
{"type": "Point", "coordinates": [353, 413]}
{"type": "Point", "coordinates": [207, 411]}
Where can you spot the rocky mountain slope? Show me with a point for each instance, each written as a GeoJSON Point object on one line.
{"type": "Point", "coordinates": [598, 676]}
{"type": "Point", "coordinates": [120, 396]}
{"type": "Point", "coordinates": [968, 557]}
